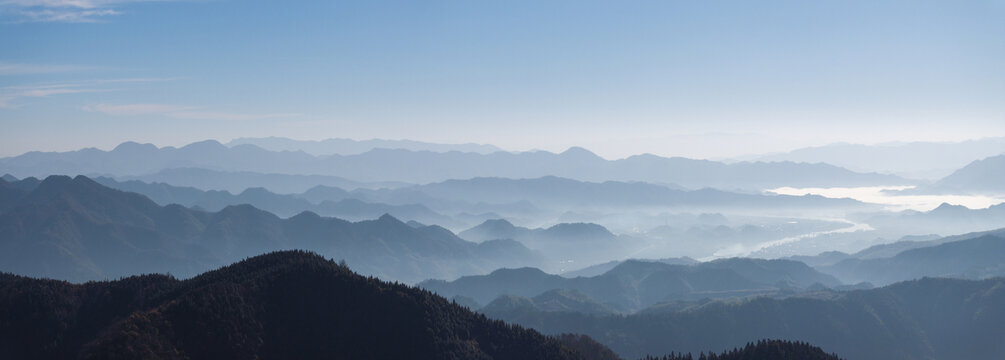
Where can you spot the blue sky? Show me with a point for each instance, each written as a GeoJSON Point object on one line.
{"type": "Point", "coordinates": [700, 79]}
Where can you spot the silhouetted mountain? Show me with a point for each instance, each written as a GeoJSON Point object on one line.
{"type": "Point", "coordinates": [325, 193]}
{"type": "Point", "coordinates": [981, 176]}
{"type": "Point", "coordinates": [8, 178]}
{"type": "Point", "coordinates": [633, 285]}
{"type": "Point", "coordinates": [494, 229]}
{"type": "Point", "coordinates": [10, 192]}
{"type": "Point", "coordinates": [130, 158]}
{"type": "Point", "coordinates": [349, 146]}
{"type": "Point", "coordinates": [77, 229]}
{"type": "Point", "coordinates": [889, 249]}
{"type": "Point", "coordinates": [945, 219]}
{"type": "Point", "coordinates": [594, 270]}
{"type": "Point", "coordinates": [920, 319]}
{"type": "Point", "coordinates": [929, 160]}
{"type": "Point", "coordinates": [281, 205]}
{"type": "Point", "coordinates": [238, 181]}
{"type": "Point", "coordinates": [973, 258]}
{"type": "Point", "coordinates": [381, 165]}
{"type": "Point", "coordinates": [762, 350]}
{"type": "Point", "coordinates": [575, 243]}
{"type": "Point", "coordinates": [280, 305]}
{"type": "Point", "coordinates": [557, 300]}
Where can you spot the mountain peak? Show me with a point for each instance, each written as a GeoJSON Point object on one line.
{"type": "Point", "coordinates": [579, 153]}
{"type": "Point", "coordinates": [497, 224]}
{"type": "Point", "coordinates": [205, 145]}
{"type": "Point", "coordinates": [388, 218]}
{"type": "Point", "coordinates": [134, 147]}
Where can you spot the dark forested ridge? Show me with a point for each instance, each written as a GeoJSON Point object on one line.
{"type": "Point", "coordinates": [761, 350]}
{"type": "Point", "coordinates": [76, 229]}
{"type": "Point", "coordinates": [290, 304]}
{"type": "Point", "coordinates": [932, 318]}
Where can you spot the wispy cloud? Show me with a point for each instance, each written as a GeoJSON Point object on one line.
{"type": "Point", "coordinates": [30, 69]}
{"type": "Point", "coordinates": [181, 112]}
{"type": "Point", "coordinates": [9, 95]}
{"type": "Point", "coordinates": [72, 11]}
{"type": "Point", "coordinates": [137, 109]}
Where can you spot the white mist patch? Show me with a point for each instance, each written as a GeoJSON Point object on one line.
{"type": "Point", "coordinates": [892, 201]}
{"type": "Point", "coordinates": [741, 250]}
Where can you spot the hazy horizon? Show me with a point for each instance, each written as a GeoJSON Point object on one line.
{"type": "Point", "coordinates": [607, 155]}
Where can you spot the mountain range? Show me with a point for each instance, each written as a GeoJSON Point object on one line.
{"type": "Point", "coordinates": [350, 147]}
{"type": "Point", "coordinates": [76, 229]}
{"type": "Point", "coordinates": [919, 319]}
{"type": "Point", "coordinates": [634, 285]}
{"type": "Point", "coordinates": [324, 200]}
{"type": "Point", "coordinates": [920, 160]}
{"type": "Point", "coordinates": [976, 256]}
{"type": "Point", "coordinates": [420, 167]}
{"type": "Point", "coordinates": [944, 219]}
{"type": "Point", "coordinates": [569, 243]}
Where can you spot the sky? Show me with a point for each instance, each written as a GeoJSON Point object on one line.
{"type": "Point", "coordinates": [704, 79]}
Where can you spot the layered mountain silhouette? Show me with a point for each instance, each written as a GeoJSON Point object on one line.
{"type": "Point", "coordinates": [634, 285]}
{"type": "Point", "coordinates": [598, 269]}
{"type": "Point", "coordinates": [282, 305]}
{"type": "Point", "coordinates": [350, 147]}
{"type": "Point", "coordinates": [132, 159]}
{"type": "Point", "coordinates": [980, 177]}
{"type": "Point", "coordinates": [238, 181]}
{"type": "Point", "coordinates": [324, 200]}
{"type": "Point", "coordinates": [975, 256]}
{"type": "Point", "coordinates": [566, 243]}
{"type": "Point", "coordinates": [920, 319]}
{"type": "Point", "coordinates": [76, 229]}
{"type": "Point", "coordinates": [928, 160]}
{"type": "Point", "coordinates": [944, 219]}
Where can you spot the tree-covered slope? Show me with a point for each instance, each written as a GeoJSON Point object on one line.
{"type": "Point", "coordinates": [281, 305]}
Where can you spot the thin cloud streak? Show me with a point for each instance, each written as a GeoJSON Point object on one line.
{"type": "Point", "coordinates": [30, 69]}
{"type": "Point", "coordinates": [181, 112]}
{"type": "Point", "coordinates": [136, 109]}
{"type": "Point", "coordinates": [68, 11]}
{"type": "Point", "coordinates": [9, 95]}
{"type": "Point", "coordinates": [67, 16]}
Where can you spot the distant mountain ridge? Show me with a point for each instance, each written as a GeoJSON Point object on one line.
{"type": "Point", "coordinates": [633, 285]}
{"type": "Point", "coordinates": [76, 229]}
{"type": "Point", "coordinates": [382, 165]}
{"type": "Point", "coordinates": [352, 147]}
{"type": "Point", "coordinates": [335, 203]}
{"type": "Point", "coordinates": [978, 257]}
{"type": "Point", "coordinates": [925, 160]}
{"type": "Point", "coordinates": [984, 176]}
